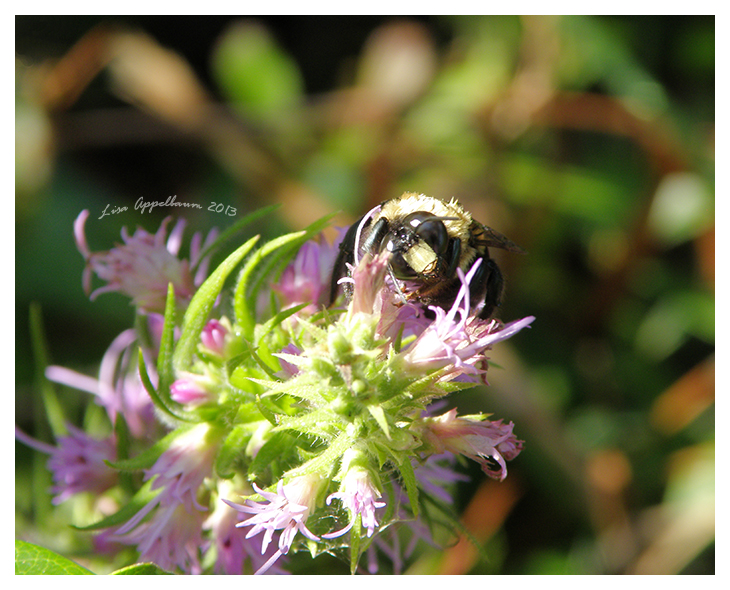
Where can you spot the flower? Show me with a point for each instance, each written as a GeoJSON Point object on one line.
{"type": "Point", "coordinates": [232, 548]}
{"type": "Point", "coordinates": [173, 535]}
{"type": "Point", "coordinates": [436, 474]}
{"type": "Point", "coordinates": [119, 388]}
{"type": "Point", "coordinates": [491, 444]}
{"type": "Point", "coordinates": [458, 345]}
{"type": "Point", "coordinates": [288, 369]}
{"type": "Point", "coordinates": [359, 495]}
{"type": "Point", "coordinates": [368, 279]}
{"type": "Point", "coordinates": [213, 336]}
{"type": "Point", "coordinates": [287, 510]}
{"type": "Point", "coordinates": [144, 265]}
{"type": "Point", "coordinates": [191, 389]}
{"type": "Point", "coordinates": [77, 462]}
{"type": "Point", "coordinates": [307, 278]}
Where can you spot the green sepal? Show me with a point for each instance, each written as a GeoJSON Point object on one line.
{"type": "Point", "coordinates": [267, 410]}
{"type": "Point", "coordinates": [33, 560]}
{"type": "Point", "coordinates": [266, 328]}
{"type": "Point", "coordinates": [251, 351]}
{"type": "Point", "coordinates": [285, 254]}
{"type": "Point", "coordinates": [202, 302]}
{"type": "Point", "coordinates": [121, 516]}
{"type": "Point", "coordinates": [390, 507]}
{"type": "Point", "coordinates": [304, 391]}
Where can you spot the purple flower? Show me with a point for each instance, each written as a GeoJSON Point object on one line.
{"type": "Point", "coordinates": [457, 341]}
{"type": "Point", "coordinates": [286, 510]}
{"type": "Point", "coordinates": [119, 388]}
{"type": "Point", "coordinates": [77, 463]}
{"type": "Point", "coordinates": [287, 353]}
{"type": "Point", "coordinates": [368, 279]}
{"type": "Point", "coordinates": [214, 335]}
{"type": "Point", "coordinates": [191, 389]}
{"type": "Point", "coordinates": [307, 278]}
{"type": "Point", "coordinates": [173, 535]}
{"type": "Point", "coordinates": [436, 474]}
{"type": "Point", "coordinates": [232, 548]}
{"type": "Point", "coordinates": [359, 495]}
{"type": "Point", "coordinates": [143, 265]}
{"type": "Point", "coordinates": [491, 444]}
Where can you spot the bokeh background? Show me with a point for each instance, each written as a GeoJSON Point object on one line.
{"type": "Point", "coordinates": [587, 140]}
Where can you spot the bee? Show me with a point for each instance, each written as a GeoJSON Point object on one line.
{"type": "Point", "coordinates": [427, 240]}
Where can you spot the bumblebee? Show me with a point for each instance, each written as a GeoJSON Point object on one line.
{"type": "Point", "coordinates": [427, 240]}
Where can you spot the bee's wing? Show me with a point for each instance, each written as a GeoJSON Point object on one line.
{"type": "Point", "coordinates": [492, 238]}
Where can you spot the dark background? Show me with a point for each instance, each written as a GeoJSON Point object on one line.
{"type": "Point", "coordinates": [587, 140]}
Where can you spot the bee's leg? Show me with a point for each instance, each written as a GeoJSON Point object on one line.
{"type": "Point", "coordinates": [372, 242]}
{"type": "Point", "coordinates": [490, 277]}
{"type": "Point", "coordinates": [344, 257]}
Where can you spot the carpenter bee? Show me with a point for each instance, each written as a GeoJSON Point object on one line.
{"type": "Point", "coordinates": [427, 240]}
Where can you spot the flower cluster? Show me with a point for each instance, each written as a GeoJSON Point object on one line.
{"type": "Point", "coordinates": [261, 433]}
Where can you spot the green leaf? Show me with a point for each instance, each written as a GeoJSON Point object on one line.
{"type": "Point", "coordinates": [242, 304]}
{"type": "Point", "coordinates": [261, 266]}
{"type": "Point", "coordinates": [165, 406]}
{"type": "Point", "coordinates": [278, 447]}
{"type": "Point", "coordinates": [236, 228]}
{"type": "Point", "coordinates": [33, 560]}
{"type": "Point", "coordinates": [165, 369]}
{"type": "Point", "coordinates": [139, 501]}
{"type": "Point", "coordinates": [378, 413]}
{"type": "Point", "coordinates": [141, 569]}
{"type": "Point", "coordinates": [355, 542]}
{"type": "Point", "coordinates": [197, 313]}
{"type": "Point", "coordinates": [54, 410]}
{"type": "Point", "coordinates": [409, 479]}
{"type": "Point", "coordinates": [121, 431]}
{"type": "Point", "coordinates": [231, 449]}
{"type": "Point", "coordinates": [148, 457]}
{"type": "Point", "coordinates": [327, 460]}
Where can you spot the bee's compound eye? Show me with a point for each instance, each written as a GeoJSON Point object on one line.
{"type": "Point", "coordinates": [429, 229]}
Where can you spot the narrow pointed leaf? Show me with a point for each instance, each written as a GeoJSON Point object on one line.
{"type": "Point", "coordinates": [230, 232]}
{"type": "Point", "coordinates": [197, 313]}
{"type": "Point", "coordinates": [165, 369]}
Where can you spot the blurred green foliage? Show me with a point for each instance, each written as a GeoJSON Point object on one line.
{"type": "Point", "coordinates": [587, 140]}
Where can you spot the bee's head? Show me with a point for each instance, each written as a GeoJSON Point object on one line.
{"type": "Point", "coordinates": [416, 244]}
